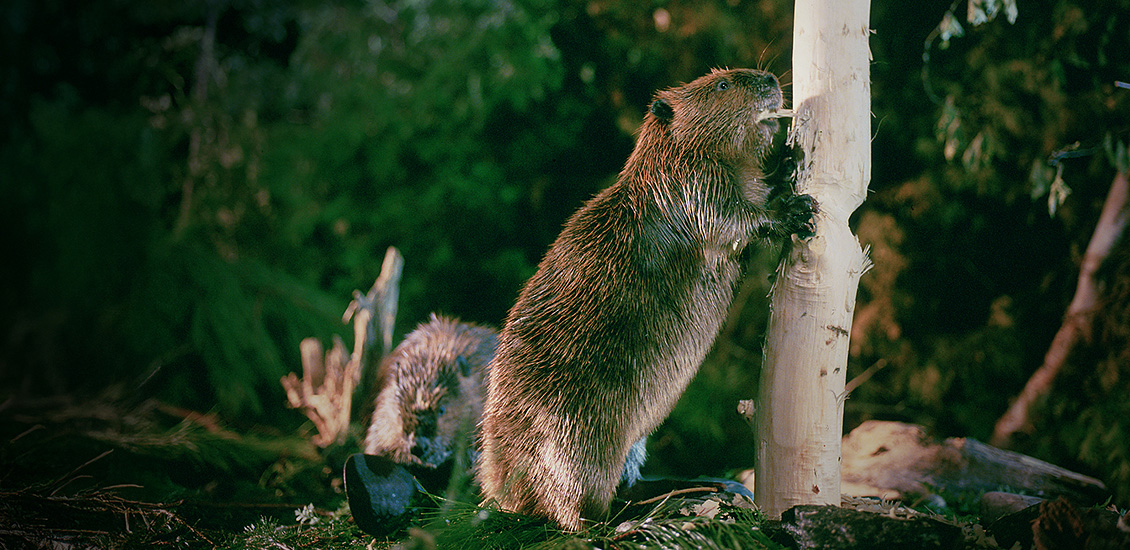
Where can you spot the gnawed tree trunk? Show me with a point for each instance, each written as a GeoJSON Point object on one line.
{"type": "Point", "coordinates": [1077, 319]}
{"type": "Point", "coordinates": [799, 416]}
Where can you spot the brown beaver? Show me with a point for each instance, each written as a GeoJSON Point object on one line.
{"type": "Point", "coordinates": [431, 395]}
{"type": "Point", "coordinates": [625, 305]}
{"type": "Point", "coordinates": [422, 436]}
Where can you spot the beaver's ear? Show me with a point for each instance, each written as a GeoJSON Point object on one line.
{"type": "Point", "coordinates": [463, 365]}
{"type": "Point", "coordinates": [662, 110]}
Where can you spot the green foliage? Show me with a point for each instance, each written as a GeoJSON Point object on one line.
{"type": "Point", "coordinates": [981, 251]}
{"type": "Point", "coordinates": [217, 314]}
{"type": "Point", "coordinates": [191, 240]}
{"type": "Point", "coordinates": [715, 525]}
{"type": "Point", "coordinates": [326, 530]}
{"type": "Point", "coordinates": [1019, 96]}
{"type": "Point", "coordinates": [212, 183]}
{"type": "Point", "coordinates": [1087, 426]}
{"type": "Point", "coordinates": [393, 142]}
{"type": "Point", "coordinates": [154, 452]}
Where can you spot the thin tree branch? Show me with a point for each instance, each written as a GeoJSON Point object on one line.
{"type": "Point", "coordinates": [1076, 321]}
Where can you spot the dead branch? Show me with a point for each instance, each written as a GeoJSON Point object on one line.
{"type": "Point", "coordinates": [325, 391]}
{"type": "Point", "coordinates": [1076, 321]}
{"type": "Point", "coordinates": [52, 521]}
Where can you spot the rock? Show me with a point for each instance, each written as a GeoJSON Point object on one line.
{"type": "Point", "coordinates": [835, 528]}
{"type": "Point", "coordinates": [996, 504]}
{"type": "Point", "coordinates": [384, 496]}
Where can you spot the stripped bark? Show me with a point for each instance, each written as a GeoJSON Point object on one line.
{"type": "Point", "coordinates": [799, 416]}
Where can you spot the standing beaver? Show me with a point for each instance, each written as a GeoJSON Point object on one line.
{"type": "Point", "coordinates": [431, 395]}
{"type": "Point", "coordinates": [628, 300]}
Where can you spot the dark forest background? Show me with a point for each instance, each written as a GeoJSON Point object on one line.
{"type": "Point", "coordinates": [191, 188]}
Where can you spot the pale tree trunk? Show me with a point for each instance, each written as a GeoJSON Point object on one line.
{"type": "Point", "coordinates": [799, 416]}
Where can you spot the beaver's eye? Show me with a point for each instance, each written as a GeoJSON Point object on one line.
{"type": "Point", "coordinates": [723, 85]}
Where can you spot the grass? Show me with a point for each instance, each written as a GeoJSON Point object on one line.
{"type": "Point", "coordinates": [713, 521]}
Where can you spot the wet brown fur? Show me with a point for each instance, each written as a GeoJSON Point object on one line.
{"type": "Point", "coordinates": [431, 393]}
{"type": "Point", "coordinates": [607, 334]}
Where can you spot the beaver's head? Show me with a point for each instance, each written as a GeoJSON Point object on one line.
{"type": "Point", "coordinates": [433, 409]}
{"type": "Point", "coordinates": [717, 116]}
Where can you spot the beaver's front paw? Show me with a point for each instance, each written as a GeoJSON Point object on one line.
{"type": "Point", "coordinates": [797, 216]}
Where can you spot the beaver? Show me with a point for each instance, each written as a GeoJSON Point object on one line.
{"type": "Point", "coordinates": [422, 436]}
{"type": "Point", "coordinates": [626, 303]}
{"type": "Point", "coordinates": [431, 393]}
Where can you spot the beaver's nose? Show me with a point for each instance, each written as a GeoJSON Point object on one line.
{"type": "Point", "coordinates": [758, 80]}
{"type": "Point", "coordinates": [419, 450]}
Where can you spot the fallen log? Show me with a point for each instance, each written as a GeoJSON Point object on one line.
{"type": "Point", "coordinates": [897, 461]}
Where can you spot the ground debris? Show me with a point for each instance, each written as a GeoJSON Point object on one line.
{"type": "Point", "coordinates": [836, 528]}
{"type": "Point", "coordinates": [1057, 524]}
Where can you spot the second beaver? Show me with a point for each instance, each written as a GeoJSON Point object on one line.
{"type": "Point", "coordinates": [422, 436]}
{"type": "Point", "coordinates": [622, 310]}
{"type": "Point", "coordinates": [431, 394]}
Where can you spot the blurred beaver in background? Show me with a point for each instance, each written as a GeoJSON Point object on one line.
{"type": "Point", "coordinates": [431, 393]}
{"type": "Point", "coordinates": [422, 438]}
{"type": "Point", "coordinates": [607, 334]}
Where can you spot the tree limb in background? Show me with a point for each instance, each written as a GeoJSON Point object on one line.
{"type": "Point", "coordinates": [206, 64]}
{"type": "Point", "coordinates": [1076, 321]}
{"type": "Point", "coordinates": [325, 392]}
